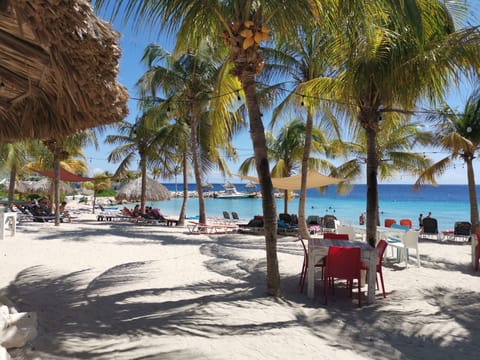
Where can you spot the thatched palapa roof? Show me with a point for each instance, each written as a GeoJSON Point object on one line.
{"type": "Point", "coordinates": [58, 69]}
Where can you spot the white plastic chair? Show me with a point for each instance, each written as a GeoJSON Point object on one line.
{"type": "Point", "coordinates": [409, 241]}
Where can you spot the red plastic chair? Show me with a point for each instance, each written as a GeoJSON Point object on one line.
{"type": "Point", "coordinates": [334, 236]}
{"type": "Point", "coordinates": [380, 248]}
{"type": "Point", "coordinates": [389, 222]}
{"type": "Point", "coordinates": [406, 222]}
{"type": "Point", "coordinates": [303, 274]}
{"type": "Point", "coordinates": [342, 263]}
{"type": "Point", "coordinates": [477, 259]}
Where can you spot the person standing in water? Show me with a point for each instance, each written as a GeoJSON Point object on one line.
{"type": "Point", "coordinates": [361, 219]}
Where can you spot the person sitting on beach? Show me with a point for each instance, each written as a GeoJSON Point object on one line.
{"type": "Point", "coordinates": [157, 214]}
{"type": "Point", "coordinates": [136, 211]}
{"type": "Point", "coordinates": [42, 208]}
{"type": "Point", "coordinates": [127, 211]}
{"type": "Point", "coordinates": [63, 212]}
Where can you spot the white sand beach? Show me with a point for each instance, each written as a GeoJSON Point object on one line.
{"type": "Point", "coordinates": [123, 291]}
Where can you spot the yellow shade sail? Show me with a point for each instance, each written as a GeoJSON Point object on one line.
{"type": "Point", "coordinates": [314, 180]}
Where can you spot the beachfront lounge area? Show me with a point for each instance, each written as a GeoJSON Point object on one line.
{"type": "Point", "coordinates": [111, 290]}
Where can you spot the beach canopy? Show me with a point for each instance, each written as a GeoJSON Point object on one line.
{"type": "Point", "coordinates": [132, 191]}
{"type": "Point", "coordinates": [314, 180]}
{"type": "Point", "coordinates": [58, 69]}
{"type": "Point", "coordinates": [65, 175]}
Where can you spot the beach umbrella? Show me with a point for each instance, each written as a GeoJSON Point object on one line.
{"type": "Point", "coordinates": [43, 186]}
{"type": "Point", "coordinates": [132, 191]}
{"type": "Point", "coordinates": [251, 185]}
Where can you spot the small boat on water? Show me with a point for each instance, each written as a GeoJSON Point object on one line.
{"type": "Point", "coordinates": [231, 192]}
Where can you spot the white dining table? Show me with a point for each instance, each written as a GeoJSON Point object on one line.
{"type": "Point", "coordinates": [382, 232]}
{"type": "Point", "coordinates": [318, 249]}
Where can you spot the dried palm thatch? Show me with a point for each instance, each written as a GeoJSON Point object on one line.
{"type": "Point", "coordinates": [58, 68]}
{"type": "Point", "coordinates": [132, 191]}
{"type": "Point", "coordinates": [43, 186]}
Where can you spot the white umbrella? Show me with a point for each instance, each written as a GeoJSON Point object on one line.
{"type": "Point", "coordinates": [132, 191]}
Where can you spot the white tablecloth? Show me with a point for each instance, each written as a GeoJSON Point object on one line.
{"type": "Point", "coordinates": [318, 248]}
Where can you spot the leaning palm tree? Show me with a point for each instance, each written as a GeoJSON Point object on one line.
{"type": "Point", "coordinates": [389, 63]}
{"type": "Point", "coordinates": [243, 25]}
{"type": "Point", "coordinates": [458, 134]}
{"type": "Point", "coordinates": [188, 80]}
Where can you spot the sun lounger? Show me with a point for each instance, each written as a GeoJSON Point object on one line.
{"type": "Point", "coordinates": [430, 229]}
{"type": "Point", "coordinates": [199, 228]}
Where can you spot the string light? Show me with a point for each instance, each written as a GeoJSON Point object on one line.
{"type": "Point", "coordinates": [384, 110]}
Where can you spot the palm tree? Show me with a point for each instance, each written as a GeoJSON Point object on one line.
{"type": "Point", "coordinates": [458, 134]}
{"type": "Point", "coordinates": [66, 153]}
{"type": "Point", "coordinates": [243, 26]}
{"type": "Point", "coordinates": [395, 151]}
{"type": "Point", "coordinates": [298, 61]}
{"type": "Point", "coordinates": [140, 138]}
{"type": "Point", "coordinates": [174, 157]}
{"type": "Point", "coordinates": [100, 182]}
{"type": "Point", "coordinates": [188, 80]}
{"type": "Point", "coordinates": [14, 157]}
{"type": "Point", "coordinates": [389, 64]}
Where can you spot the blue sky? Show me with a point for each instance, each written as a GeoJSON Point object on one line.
{"type": "Point", "coordinates": [133, 45]}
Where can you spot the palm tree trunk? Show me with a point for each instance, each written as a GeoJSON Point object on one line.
{"type": "Point", "coordinates": [143, 169]}
{"type": "Point", "coordinates": [196, 167]}
{"type": "Point", "coordinates": [257, 133]}
{"type": "Point", "coordinates": [302, 224]}
{"type": "Point", "coordinates": [372, 185]}
{"type": "Point", "coordinates": [11, 187]}
{"type": "Point", "coordinates": [183, 209]}
{"type": "Point", "coordinates": [472, 193]}
{"type": "Point", "coordinates": [285, 201]}
{"type": "Point", "coordinates": [56, 186]}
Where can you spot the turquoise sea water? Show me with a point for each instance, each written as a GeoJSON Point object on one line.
{"type": "Point", "coordinates": [448, 203]}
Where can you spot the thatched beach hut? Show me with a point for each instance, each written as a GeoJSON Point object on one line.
{"type": "Point", "coordinates": [58, 69]}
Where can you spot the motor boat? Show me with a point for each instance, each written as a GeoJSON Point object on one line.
{"type": "Point", "coordinates": [231, 192]}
